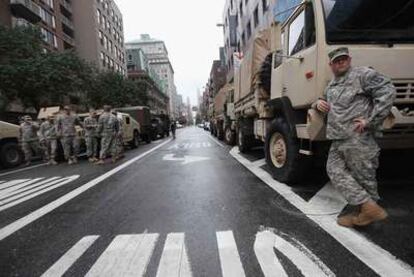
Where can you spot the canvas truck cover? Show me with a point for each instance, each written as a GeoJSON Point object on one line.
{"type": "Point", "coordinates": [49, 111]}
{"type": "Point", "coordinates": [251, 64]}
{"type": "Point", "coordinates": [220, 99]}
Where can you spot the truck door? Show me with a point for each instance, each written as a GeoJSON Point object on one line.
{"type": "Point", "coordinates": [300, 68]}
{"type": "Point", "coordinates": [127, 132]}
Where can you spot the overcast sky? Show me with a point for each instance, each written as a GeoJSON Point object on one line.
{"type": "Point", "coordinates": [189, 30]}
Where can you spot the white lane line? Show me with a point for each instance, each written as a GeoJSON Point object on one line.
{"type": "Point", "coordinates": [263, 248]}
{"type": "Point", "coordinates": [22, 222]}
{"type": "Point", "coordinates": [327, 201]}
{"type": "Point", "coordinates": [375, 257]}
{"type": "Point", "coordinates": [22, 169]}
{"type": "Point", "coordinates": [24, 186]}
{"type": "Point", "coordinates": [229, 255]}
{"type": "Point", "coordinates": [45, 188]}
{"type": "Point", "coordinates": [70, 257]}
{"type": "Point", "coordinates": [12, 183]}
{"type": "Point", "coordinates": [174, 260]}
{"type": "Point", "coordinates": [216, 141]}
{"type": "Point", "coordinates": [259, 163]}
{"type": "Point", "coordinates": [127, 255]}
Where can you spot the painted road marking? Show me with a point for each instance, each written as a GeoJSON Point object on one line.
{"type": "Point", "coordinates": [231, 265]}
{"type": "Point", "coordinates": [21, 186]}
{"type": "Point", "coordinates": [127, 255]}
{"type": "Point", "coordinates": [185, 160]}
{"type": "Point", "coordinates": [174, 260]}
{"type": "Point", "coordinates": [375, 257]}
{"type": "Point", "coordinates": [24, 221]}
{"type": "Point", "coordinates": [22, 169]}
{"type": "Point", "coordinates": [33, 191]}
{"type": "Point", "coordinates": [70, 257]}
{"type": "Point", "coordinates": [130, 255]}
{"type": "Point", "coordinates": [190, 145]}
{"type": "Point", "coordinates": [10, 184]}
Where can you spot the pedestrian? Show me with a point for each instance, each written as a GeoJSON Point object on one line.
{"type": "Point", "coordinates": [29, 138]}
{"type": "Point", "coordinates": [173, 128]}
{"type": "Point", "coordinates": [108, 128]}
{"type": "Point", "coordinates": [48, 139]}
{"type": "Point", "coordinates": [91, 124]}
{"type": "Point", "coordinates": [66, 130]}
{"type": "Point", "coordinates": [356, 102]}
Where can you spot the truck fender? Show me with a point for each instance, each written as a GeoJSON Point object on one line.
{"type": "Point", "coordinates": [283, 107]}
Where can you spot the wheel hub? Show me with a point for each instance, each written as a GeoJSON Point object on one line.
{"type": "Point", "coordinates": [278, 150]}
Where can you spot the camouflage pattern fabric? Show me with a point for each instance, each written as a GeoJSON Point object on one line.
{"type": "Point", "coordinates": [108, 127]}
{"type": "Point", "coordinates": [91, 124]}
{"type": "Point", "coordinates": [29, 139]}
{"type": "Point", "coordinates": [70, 146]}
{"type": "Point", "coordinates": [91, 146]}
{"type": "Point", "coordinates": [361, 92]}
{"type": "Point", "coordinates": [49, 148]}
{"type": "Point", "coordinates": [352, 166]}
{"type": "Point", "coordinates": [48, 139]}
{"type": "Point", "coordinates": [120, 138]}
{"type": "Point", "coordinates": [66, 125]}
{"type": "Point", "coordinates": [28, 147]}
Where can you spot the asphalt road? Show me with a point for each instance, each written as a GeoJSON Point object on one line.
{"type": "Point", "coordinates": [190, 207]}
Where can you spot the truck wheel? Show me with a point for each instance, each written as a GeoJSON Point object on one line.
{"type": "Point", "coordinates": [243, 141]}
{"type": "Point", "coordinates": [282, 154]}
{"type": "Point", "coordinates": [229, 136]}
{"type": "Point", "coordinates": [148, 139]}
{"type": "Point", "coordinates": [10, 155]}
{"type": "Point", "coordinates": [135, 141]}
{"type": "Point", "coordinates": [220, 133]}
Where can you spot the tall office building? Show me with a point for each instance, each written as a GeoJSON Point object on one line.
{"type": "Point", "coordinates": [99, 33]}
{"type": "Point", "coordinates": [157, 55]}
{"type": "Point", "coordinates": [54, 18]}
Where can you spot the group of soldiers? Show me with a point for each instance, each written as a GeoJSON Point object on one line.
{"type": "Point", "coordinates": [102, 133]}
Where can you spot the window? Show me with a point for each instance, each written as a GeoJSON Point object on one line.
{"type": "Point", "coordinates": [101, 38]}
{"type": "Point", "coordinates": [264, 6]}
{"type": "Point", "coordinates": [103, 21]}
{"type": "Point", "coordinates": [49, 3]}
{"type": "Point", "coordinates": [47, 18]}
{"type": "Point", "coordinates": [111, 46]}
{"type": "Point", "coordinates": [302, 32]}
{"type": "Point", "coordinates": [103, 58]}
{"type": "Point", "coordinates": [249, 30]}
{"type": "Point", "coordinates": [106, 42]}
{"type": "Point", "coordinates": [241, 9]}
{"type": "Point", "coordinates": [98, 14]}
{"type": "Point", "coordinates": [256, 16]}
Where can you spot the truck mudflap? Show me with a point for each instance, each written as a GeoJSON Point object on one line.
{"type": "Point", "coordinates": [398, 127]}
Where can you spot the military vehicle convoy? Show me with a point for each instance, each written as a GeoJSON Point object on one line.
{"type": "Point", "coordinates": [286, 70]}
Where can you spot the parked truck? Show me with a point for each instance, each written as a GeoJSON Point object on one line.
{"type": "Point", "coordinates": [222, 121]}
{"type": "Point", "coordinates": [142, 115]}
{"type": "Point", "coordinates": [286, 70]}
{"type": "Point", "coordinates": [10, 152]}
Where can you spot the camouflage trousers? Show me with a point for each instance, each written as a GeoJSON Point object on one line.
{"type": "Point", "coordinates": [30, 147]}
{"type": "Point", "coordinates": [49, 148]}
{"type": "Point", "coordinates": [91, 146]}
{"type": "Point", "coordinates": [70, 147]}
{"type": "Point", "coordinates": [108, 145]}
{"type": "Point", "coordinates": [119, 145]}
{"type": "Point", "coordinates": [352, 166]}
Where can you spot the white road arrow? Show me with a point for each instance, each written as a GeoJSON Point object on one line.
{"type": "Point", "coordinates": [185, 160]}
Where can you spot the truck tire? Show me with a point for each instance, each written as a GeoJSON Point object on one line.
{"type": "Point", "coordinates": [10, 155]}
{"type": "Point", "coordinates": [282, 154]}
{"type": "Point", "coordinates": [244, 141]}
{"type": "Point", "coordinates": [135, 140]}
{"type": "Point", "coordinates": [220, 133]}
{"type": "Point", "coordinates": [229, 136]}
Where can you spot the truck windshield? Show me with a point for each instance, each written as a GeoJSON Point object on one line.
{"type": "Point", "coordinates": [369, 21]}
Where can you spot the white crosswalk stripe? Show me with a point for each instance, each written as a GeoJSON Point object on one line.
{"type": "Point", "coordinates": [12, 183]}
{"type": "Point", "coordinates": [130, 255]}
{"type": "Point", "coordinates": [20, 192]}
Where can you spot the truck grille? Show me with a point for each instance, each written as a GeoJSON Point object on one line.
{"type": "Point", "coordinates": [405, 91]}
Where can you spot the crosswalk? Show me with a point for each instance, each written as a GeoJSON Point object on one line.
{"type": "Point", "coordinates": [191, 145]}
{"type": "Point", "coordinates": [15, 192]}
{"type": "Point", "coordinates": [130, 255]}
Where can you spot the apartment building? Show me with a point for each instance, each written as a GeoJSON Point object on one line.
{"type": "Point", "coordinates": [157, 54]}
{"type": "Point", "coordinates": [99, 33]}
{"type": "Point", "coordinates": [247, 17]}
{"type": "Point", "coordinates": [54, 17]}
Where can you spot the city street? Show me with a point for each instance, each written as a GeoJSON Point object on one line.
{"type": "Point", "coordinates": [191, 207]}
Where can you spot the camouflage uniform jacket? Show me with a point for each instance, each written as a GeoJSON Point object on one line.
{"type": "Point", "coordinates": [47, 131]}
{"type": "Point", "coordinates": [28, 132]}
{"type": "Point", "coordinates": [108, 125]}
{"type": "Point", "coordinates": [90, 124]}
{"type": "Point", "coordinates": [66, 125]}
{"type": "Point", "coordinates": [361, 92]}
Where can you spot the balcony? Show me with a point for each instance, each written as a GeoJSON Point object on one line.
{"type": "Point", "coordinates": [26, 9]}
{"type": "Point", "coordinates": [66, 7]}
{"type": "Point", "coordinates": [67, 22]}
{"type": "Point", "coordinates": [68, 39]}
{"type": "Point", "coordinates": [20, 22]}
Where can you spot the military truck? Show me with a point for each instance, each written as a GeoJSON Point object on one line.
{"type": "Point", "coordinates": [286, 70]}
{"type": "Point", "coordinates": [222, 120]}
{"type": "Point", "coordinates": [142, 115]}
{"type": "Point", "coordinates": [10, 152]}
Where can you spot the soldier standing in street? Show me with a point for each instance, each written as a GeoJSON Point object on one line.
{"type": "Point", "coordinates": [119, 138]}
{"type": "Point", "coordinates": [66, 130]}
{"type": "Point", "coordinates": [28, 138]}
{"type": "Point", "coordinates": [108, 128]}
{"type": "Point", "coordinates": [357, 101]}
{"type": "Point", "coordinates": [48, 138]}
{"type": "Point", "coordinates": [91, 124]}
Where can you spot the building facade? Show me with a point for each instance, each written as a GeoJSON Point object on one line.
{"type": "Point", "coordinates": [53, 17]}
{"type": "Point", "coordinates": [140, 69]}
{"type": "Point", "coordinates": [251, 16]}
{"type": "Point", "coordinates": [157, 54]}
{"type": "Point", "coordinates": [99, 33]}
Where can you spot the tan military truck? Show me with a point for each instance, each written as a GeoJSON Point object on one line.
{"type": "Point", "coordinates": [294, 53]}
{"type": "Point", "coordinates": [222, 120]}
{"type": "Point", "coordinates": [10, 152]}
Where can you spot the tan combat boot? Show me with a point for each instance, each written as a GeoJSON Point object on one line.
{"type": "Point", "coordinates": [370, 212]}
{"type": "Point", "coordinates": [347, 220]}
{"type": "Point", "coordinates": [100, 162]}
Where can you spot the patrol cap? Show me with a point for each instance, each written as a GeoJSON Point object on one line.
{"type": "Point", "coordinates": [338, 52]}
{"type": "Point", "coordinates": [27, 117]}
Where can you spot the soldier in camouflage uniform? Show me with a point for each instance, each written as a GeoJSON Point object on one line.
{"type": "Point", "coordinates": [108, 128]}
{"type": "Point", "coordinates": [48, 138]}
{"type": "Point", "coordinates": [357, 101]}
{"type": "Point", "coordinates": [119, 138]}
{"type": "Point", "coordinates": [66, 130]}
{"type": "Point", "coordinates": [29, 139]}
{"type": "Point", "coordinates": [91, 124]}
